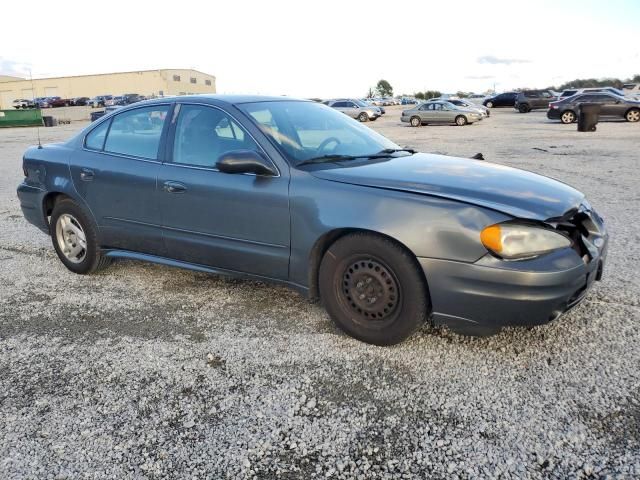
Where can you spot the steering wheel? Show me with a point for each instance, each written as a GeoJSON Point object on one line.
{"type": "Point", "coordinates": [327, 141]}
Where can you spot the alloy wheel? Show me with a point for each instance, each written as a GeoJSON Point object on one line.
{"type": "Point", "coordinates": [633, 115]}
{"type": "Point", "coordinates": [567, 117]}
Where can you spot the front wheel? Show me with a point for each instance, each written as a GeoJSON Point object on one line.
{"type": "Point", "coordinates": [75, 238]}
{"type": "Point", "coordinates": [489, 105]}
{"type": "Point", "coordinates": [633, 115]}
{"type": "Point", "coordinates": [373, 289]}
{"type": "Point", "coordinates": [461, 120]}
{"type": "Point", "coordinates": [363, 117]}
{"type": "Point", "coordinates": [415, 121]}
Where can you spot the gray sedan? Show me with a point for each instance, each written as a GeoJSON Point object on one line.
{"type": "Point", "coordinates": [356, 109]}
{"type": "Point", "coordinates": [295, 192]}
{"type": "Point", "coordinates": [439, 112]}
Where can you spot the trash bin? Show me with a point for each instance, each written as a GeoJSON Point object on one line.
{"type": "Point", "coordinates": [588, 117]}
{"type": "Point", "coordinates": [48, 120]}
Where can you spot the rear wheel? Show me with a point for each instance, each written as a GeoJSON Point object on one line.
{"type": "Point", "coordinates": [363, 117]}
{"type": "Point", "coordinates": [633, 115]}
{"type": "Point", "coordinates": [568, 117]}
{"type": "Point", "coordinates": [523, 108]}
{"type": "Point", "coordinates": [461, 120]}
{"type": "Point", "coordinates": [415, 121]}
{"type": "Point", "coordinates": [373, 289]}
{"type": "Point", "coordinates": [75, 238]}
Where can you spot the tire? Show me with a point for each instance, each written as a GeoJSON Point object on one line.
{"type": "Point", "coordinates": [633, 115]}
{"type": "Point", "coordinates": [461, 120]}
{"type": "Point", "coordinates": [489, 105]}
{"type": "Point", "coordinates": [363, 117]}
{"type": "Point", "coordinates": [415, 121]}
{"type": "Point", "coordinates": [392, 299]}
{"type": "Point", "coordinates": [524, 108]}
{"type": "Point", "coordinates": [567, 117]}
{"type": "Point", "coordinates": [69, 222]}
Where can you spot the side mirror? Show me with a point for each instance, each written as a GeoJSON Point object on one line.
{"type": "Point", "coordinates": [245, 161]}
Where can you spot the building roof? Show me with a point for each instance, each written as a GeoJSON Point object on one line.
{"type": "Point", "coordinates": [10, 78]}
{"type": "Point", "coordinates": [18, 79]}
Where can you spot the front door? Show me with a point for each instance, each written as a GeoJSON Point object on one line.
{"type": "Point", "coordinates": [115, 172]}
{"type": "Point", "coordinates": [237, 222]}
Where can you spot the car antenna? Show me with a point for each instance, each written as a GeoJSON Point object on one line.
{"type": "Point", "coordinates": [33, 99]}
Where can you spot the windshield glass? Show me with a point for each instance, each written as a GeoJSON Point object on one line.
{"type": "Point", "coordinates": [360, 103]}
{"type": "Point", "coordinates": [306, 130]}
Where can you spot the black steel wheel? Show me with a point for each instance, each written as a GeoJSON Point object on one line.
{"type": "Point", "coordinates": [373, 288]}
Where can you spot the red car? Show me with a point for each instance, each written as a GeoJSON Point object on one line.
{"type": "Point", "coordinates": [57, 102]}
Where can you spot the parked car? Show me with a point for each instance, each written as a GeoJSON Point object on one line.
{"type": "Point", "coordinates": [408, 101]}
{"type": "Point", "coordinates": [507, 99]}
{"type": "Point", "coordinates": [41, 102]}
{"type": "Point", "coordinates": [79, 101]}
{"type": "Point", "coordinates": [569, 92]}
{"type": "Point", "coordinates": [101, 101]}
{"type": "Point", "coordinates": [262, 194]}
{"type": "Point", "coordinates": [439, 112]}
{"type": "Point", "coordinates": [57, 102]}
{"type": "Point", "coordinates": [528, 100]}
{"type": "Point", "coordinates": [367, 102]}
{"type": "Point", "coordinates": [567, 109]}
{"type": "Point", "coordinates": [356, 109]}
{"type": "Point", "coordinates": [101, 113]}
{"type": "Point", "coordinates": [459, 102]}
{"type": "Point", "coordinates": [23, 103]}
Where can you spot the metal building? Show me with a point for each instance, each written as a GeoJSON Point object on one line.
{"type": "Point", "coordinates": [143, 82]}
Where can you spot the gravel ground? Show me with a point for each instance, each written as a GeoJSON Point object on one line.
{"type": "Point", "coordinates": [145, 371]}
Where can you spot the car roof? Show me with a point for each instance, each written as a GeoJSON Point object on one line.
{"type": "Point", "coordinates": [234, 99]}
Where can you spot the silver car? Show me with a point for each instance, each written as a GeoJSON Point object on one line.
{"type": "Point", "coordinates": [356, 109]}
{"type": "Point", "coordinates": [459, 102]}
{"type": "Point", "coordinates": [439, 112]}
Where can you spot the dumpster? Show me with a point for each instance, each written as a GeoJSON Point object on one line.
{"type": "Point", "coordinates": [588, 116]}
{"type": "Point", "coordinates": [20, 118]}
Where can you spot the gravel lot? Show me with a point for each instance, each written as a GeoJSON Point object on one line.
{"type": "Point", "coordinates": [145, 371]}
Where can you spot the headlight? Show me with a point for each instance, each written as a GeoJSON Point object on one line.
{"type": "Point", "coordinates": [513, 241]}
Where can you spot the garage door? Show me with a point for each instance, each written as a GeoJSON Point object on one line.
{"type": "Point", "coordinates": [6, 100]}
{"type": "Point", "coordinates": [50, 91]}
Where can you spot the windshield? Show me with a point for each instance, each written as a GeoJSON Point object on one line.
{"type": "Point", "coordinates": [306, 130]}
{"type": "Point", "coordinates": [360, 103]}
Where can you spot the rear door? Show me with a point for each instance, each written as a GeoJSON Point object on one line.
{"type": "Point", "coordinates": [115, 172]}
{"type": "Point", "coordinates": [237, 222]}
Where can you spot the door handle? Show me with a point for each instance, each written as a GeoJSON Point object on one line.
{"type": "Point", "coordinates": [86, 175]}
{"type": "Point", "coordinates": [174, 187]}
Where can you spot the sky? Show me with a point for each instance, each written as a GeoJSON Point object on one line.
{"type": "Point", "coordinates": [327, 48]}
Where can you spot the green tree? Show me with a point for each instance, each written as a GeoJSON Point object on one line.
{"type": "Point", "coordinates": [384, 88]}
{"type": "Point", "coordinates": [419, 95]}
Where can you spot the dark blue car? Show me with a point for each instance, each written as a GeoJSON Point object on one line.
{"type": "Point", "coordinates": [298, 193]}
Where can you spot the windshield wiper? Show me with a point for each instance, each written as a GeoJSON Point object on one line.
{"type": "Point", "coordinates": [328, 158]}
{"type": "Point", "coordinates": [341, 158]}
{"type": "Point", "coordinates": [395, 150]}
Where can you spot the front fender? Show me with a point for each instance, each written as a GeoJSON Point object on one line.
{"type": "Point", "coordinates": [429, 227]}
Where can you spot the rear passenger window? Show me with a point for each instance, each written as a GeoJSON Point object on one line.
{"type": "Point", "coordinates": [137, 132]}
{"type": "Point", "coordinates": [95, 139]}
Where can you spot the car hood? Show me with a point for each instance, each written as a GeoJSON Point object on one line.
{"type": "Point", "coordinates": [518, 193]}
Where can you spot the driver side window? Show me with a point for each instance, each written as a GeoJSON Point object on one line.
{"type": "Point", "coordinates": [204, 133]}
